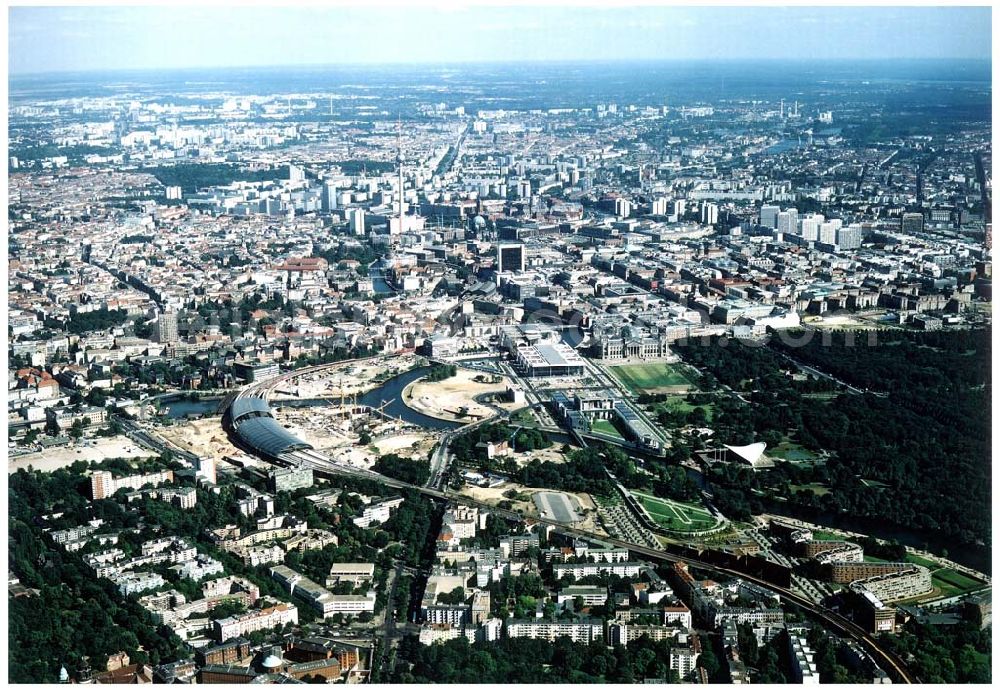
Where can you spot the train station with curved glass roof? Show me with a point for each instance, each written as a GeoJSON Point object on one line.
{"type": "Point", "coordinates": [256, 427]}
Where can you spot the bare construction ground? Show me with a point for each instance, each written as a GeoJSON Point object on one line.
{"type": "Point", "coordinates": [586, 509]}
{"type": "Point", "coordinates": [449, 398]}
{"type": "Point", "coordinates": [61, 457]}
{"type": "Point", "coordinates": [346, 380]}
{"type": "Point", "coordinates": [204, 437]}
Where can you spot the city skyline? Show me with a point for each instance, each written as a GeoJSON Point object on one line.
{"type": "Point", "coordinates": [73, 39]}
{"type": "Point", "coordinates": [496, 346]}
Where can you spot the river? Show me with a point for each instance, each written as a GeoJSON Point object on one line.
{"type": "Point", "coordinates": [181, 408]}
{"type": "Point", "coordinates": [389, 391]}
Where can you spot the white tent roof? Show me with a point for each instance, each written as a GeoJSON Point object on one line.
{"type": "Point", "coordinates": [749, 453]}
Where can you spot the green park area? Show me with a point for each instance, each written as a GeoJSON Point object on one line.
{"type": "Point", "coordinates": [654, 377]}
{"type": "Point", "coordinates": [677, 516]}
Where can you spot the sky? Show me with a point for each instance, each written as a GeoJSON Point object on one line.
{"type": "Point", "coordinates": [78, 38]}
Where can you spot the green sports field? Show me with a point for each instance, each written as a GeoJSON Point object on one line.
{"type": "Point", "coordinates": [652, 377]}
{"type": "Point", "coordinates": [677, 516]}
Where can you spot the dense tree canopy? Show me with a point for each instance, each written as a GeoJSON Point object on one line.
{"type": "Point", "coordinates": [914, 450]}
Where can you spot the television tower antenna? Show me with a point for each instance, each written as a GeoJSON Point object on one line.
{"type": "Point", "coordinates": [399, 162]}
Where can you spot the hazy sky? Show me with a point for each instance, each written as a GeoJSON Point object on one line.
{"type": "Point", "coordinates": [44, 39]}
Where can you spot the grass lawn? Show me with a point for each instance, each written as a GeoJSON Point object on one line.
{"type": "Point", "coordinates": [681, 403]}
{"type": "Point", "coordinates": [946, 589]}
{"type": "Point", "coordinates": [922, 561]}
{"type": "Point", "coordinates": [827, 536]}
{"type": "Point", "coordinates": [677, 516]}
{"type": "Point", "coordinates": [606, 427]}
{"type": "Point", "coordinates": [652, 376]}
{"type": "Point", "coordinates": [957, 579]}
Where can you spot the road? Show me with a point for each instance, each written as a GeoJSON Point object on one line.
{"type": "Point", "coordinates": [809, 370]}
{"type": "Point", "coordinates": [389, 624]}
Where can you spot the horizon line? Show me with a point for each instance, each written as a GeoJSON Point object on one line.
{"type": "Point", "coordinates": [513, 61]}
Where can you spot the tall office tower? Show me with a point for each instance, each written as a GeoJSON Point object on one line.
{"type": "Point", "coordinates": [328, 200]}
{"type": "Point", "coordinates": [623, 208]}
{"type": "Point", "coordinates": [510, 257]}
{"type": "Point", "coordinates": [769, 216]}
{"type": "Point", "coordinates": [912, 223]}
{"type": "Point", "coordinates": [166, 328]}
{"type": "Point", "coordinates": [357, 219]}
{"type": "Point", "coordinates": [659, 207]}
{"type": "Point", "coordinates": [709, 213]}
{"type": "Point", "coordinates": [810, 227]}
{"type": "Point", "coordinates": [680, 208]}
{"type": "Point", "coordinates": [788, 221]}
{"type": "Point", "coordinates": [849, 237]}
{"type": "Point", "coordinates": [296, 173]}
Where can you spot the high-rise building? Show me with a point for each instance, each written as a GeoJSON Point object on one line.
{"type": "Point", "coordinates": [357, 218]}
{"type": "Point", "coordinates": [828, 231]}
{"type": "Point", "coordinates": [849, 237]}
{"type": "Point", "coordinates": [912, 223]}
{"type": "Point", "coordinates": [510, 257]}
{"type": "Point", "coordinates": [166, 328]}
{"type": "Point", "coordinates": [769, 216]}
{"type": "Point", "coordinates": [709, 213]}
{"type": "Point", "coordinates": [623, 208]}
{"type": "Point", "coordinates": [788, 221]}
{"type": "Point", "coordinates": [296, 173]}
{"type": "Point", "coordinates": [810, 227]}
{"type": "Point", "coordinates": [205, 467]}
{"type": "Point", "coordinates": [329, 199]}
